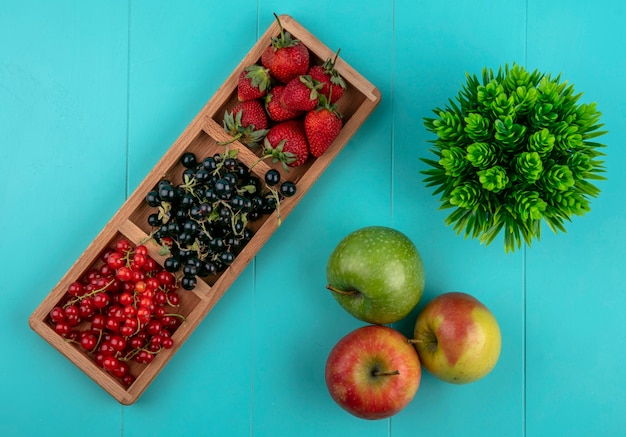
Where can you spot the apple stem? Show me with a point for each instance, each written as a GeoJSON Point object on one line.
{"type": "Point", "coordinates": [415, 340]}
{"type": "Point", "coordinates": [346, 292]}
{"type": "Point", "coordinates": [379, 373]}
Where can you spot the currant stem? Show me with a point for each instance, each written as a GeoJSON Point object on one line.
{"type": "Point", "coordinates": [90, 294]}
{"type": "Point", "coordinates": [344, 292]}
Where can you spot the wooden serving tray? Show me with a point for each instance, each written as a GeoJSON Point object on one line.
{"type": "Point", "coordinates": [202, 137]}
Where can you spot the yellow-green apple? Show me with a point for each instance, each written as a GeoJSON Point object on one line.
{"type": "Point", "coordinates": [457, 338]}
{"type": "Point", "coordinates": [376, 274]}
{"type": "Point", "coordinates": [373, 372]}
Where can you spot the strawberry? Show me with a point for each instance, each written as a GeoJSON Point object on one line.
{"type": "Point", "coordinates": [330, 79]}
{"type": "Point", "coordinates": [301, 93]}
{"type": "Point", "coordinates": [286, 57]}
{"type": "Point", "coordinates": [246, 122]}
{"type": "Point", "coordinates": [275, 109]}
{"type": "Point", "coordinates": [253, 83]}
{"type": "Point", "coordinates": [286, 143]}
{"type": "Point", "coordinates": [322, 126]}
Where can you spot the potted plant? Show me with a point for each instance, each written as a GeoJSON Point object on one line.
{"type": "Point", "coordinates": [515, 149]}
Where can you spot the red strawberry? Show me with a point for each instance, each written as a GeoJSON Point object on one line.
{"type": "Point", "coordinates": [286, 143]}
{"type": "Point", "coordinates": [246, 122]}
{"type": "Point", "coordinates": [286, 57]}
{"type": "Point", "coordinates": [322, 125]}
{"type": "Point", "coordinates": [329, 77]}
{"type": "Point", "coordinates": [254, 81]}
{"type": "Point", "coordinates": [301, 93]}
{"type": "Point", "coordinates": [275, 109]}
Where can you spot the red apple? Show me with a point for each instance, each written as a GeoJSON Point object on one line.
{"type": "Point", "coordinates": [373, 372]}
{"type": "Point", "coordinates": [457, 338]}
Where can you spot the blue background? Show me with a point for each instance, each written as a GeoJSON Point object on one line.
{"type": "Point", "coordinates": [92, 93]}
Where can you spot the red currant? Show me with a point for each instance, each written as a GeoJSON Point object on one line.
{"type": "Point", "coordinates": [137, 342]}
{"type": "Point", "coordinates": [154, 327]}
{"type": "Point", "coordinates": [124, 274]}
{"type": "Point", "coordinates": [57, 315]}
{"type": "Point", "coordinates": [88, 341]}
{"type": "Point", "coordinates": [62, 328]}
{"type": "Point", "coordinates": [150, 264]}
{"type": "Point", "coordinates": [75, 289]}
{"type": "Point", "coordinates": [98, 322]}
{"type": "Point", "coordinates": [138, 275]}
{"type": "Point", "coordinates": [123, 245]}
{"type": "Point", "coordinates": [126, 298]}
{"type": "Point", "coordinates": [152, 284]}
{"type": "Point", "coordinates": [173, 299]}
{"type": "Point", "coordinates": [126, 330]}
{"type": "Point", "coordinates": [140, 286]}
{"type": "Point", "coordinates": [115, 260]}
{"type": "Point", "coordinates": [101, 300]}
{"type": "Point", "coordinates": [141, 250]}
{"type": "Point", "coordinates": [128, 380]}
{"type": "Point", "coordinates": [165, 277]}
{"type": "Point", "coordinates": [113, 324]}
{"type": "Point", "coordinates": [167, 342]}
{"type": "Point", "coordinates": [110, 363]}
{"type": "Point", "coordinates": [121, 370]}
{"type": "Point", "coordinates": [106, 348]}
{"type": "Point", "coordinates": [143, 314]}
{"type": "Point", "coordinates": [72, 315]}
{"type": "Point", "coordinates": [138, 260]}
{"type": "Point", "coordinates": [99, 358]}
{"type": "Point", "coordinates": [144, 357]}
{"type": "Point", "coordinates": [118, 343]}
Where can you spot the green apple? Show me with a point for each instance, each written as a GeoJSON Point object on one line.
{"type": "Point", "coordinates": [457, 338]}
{"type": "Point", "coordinates": [373, 372]}
{"type": "Point", "coordinates": [376, 274]}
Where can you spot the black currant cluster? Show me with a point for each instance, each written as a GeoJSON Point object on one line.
{"type": "Point", "coordinates": [202, 223]}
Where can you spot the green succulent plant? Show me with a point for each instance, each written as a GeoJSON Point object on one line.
{"type": "Point", "coordinates": [514, 149]}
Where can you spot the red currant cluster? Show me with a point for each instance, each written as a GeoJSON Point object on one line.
{"type": "Point", "coordinates": [122, 311]}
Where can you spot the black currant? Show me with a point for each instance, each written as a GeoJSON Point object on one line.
{"type": "Point", "coordinates": [237, 202]}
{"type": "Point", "coordinates": [205, 208]}
{"type": "Point", "coordinates": [195, 212]}
{"type": "Point", "coordinates": [209, 268]}
{"type": "Point", "coordinates": [272, 177]}
{"type": "Point", "coordinates": [188, 160]}
{"type": "Point", "coordinates": [154, 220]}
{"type": "Point", "coordinates": [189, 282]}
{"type": "Point", "coordinates": [152, 198]}
{"type": "Point", "coordinates": [202, 175]}
{"type": "Point", "coordinates": [167, 192]}
{"type": "Point", "coordinates": [190, 270]}
{"type": "Point", "coordinates": [230, 163]}
{"type": "Point", "coordinates": [227, 258]}
{"type": "Point", "coordinates": [223, 188]}
{"type": "Point", "coordinates": [189, 174]}
{"type": "Point", "coordinates": [187, 201]}
{"type": "Point", "coordinates": [191, 227]}
{"type": "Point", "coordinates": [171, 264]}
{"type": "Point", "coordinates": [209, 164]}
{"type": "Point", "coordinates": [288, 189]}
{"type": "Point", "coordinates": [231, 177]}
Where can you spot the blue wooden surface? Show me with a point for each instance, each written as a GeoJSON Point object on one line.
{"type": "Point", "coordinates": [93, 93]}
